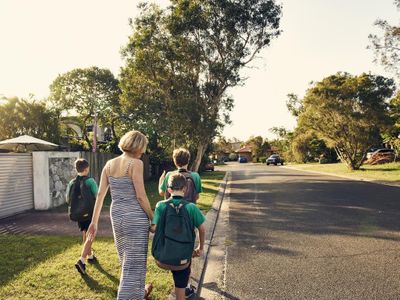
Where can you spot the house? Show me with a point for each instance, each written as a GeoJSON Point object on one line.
{"type": "Point", "coordinates": [272, 150]}
{"type": "Point", "coordinates": [245, 152]}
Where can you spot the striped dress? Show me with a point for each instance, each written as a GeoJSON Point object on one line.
{"type": "Point", "coordinates": [131, 234]}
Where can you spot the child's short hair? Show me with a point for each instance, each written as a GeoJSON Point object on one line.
{"type": "Point", "coordinates": [133, 141]}
{"type": "Point", "coordinates": [81, 164]}
{"type": "Point", "coordinates": [177, 182]}
{"type": "Point", "coordinates": [181, 157]}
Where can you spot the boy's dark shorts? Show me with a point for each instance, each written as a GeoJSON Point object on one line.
{"type": "Point", "coordinates": [83, 226]}
{"type": "Point", "coordinates": [181, 278]}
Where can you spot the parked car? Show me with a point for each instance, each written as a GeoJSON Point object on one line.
{"type": "Point", "coordinates": [380, 151]}
{"type": "Point", "coordinates": [242, 159]}
{"type": "Point", "coordinates": [209, 166]}
{"type": "Point", "coordinates": [274, 159]}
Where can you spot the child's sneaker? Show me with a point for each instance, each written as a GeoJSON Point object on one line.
{"type": "Point", "coordinates": [190, 291]}
{"type": "Point", "coordinates": [92, 259]}
{"type": "Point", "coordinates": [81, 267]}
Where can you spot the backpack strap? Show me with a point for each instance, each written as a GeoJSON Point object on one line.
{"type": "Point", "coordinates": [178, 207]}
{"type": "Point", "coordinates": [109, 169]}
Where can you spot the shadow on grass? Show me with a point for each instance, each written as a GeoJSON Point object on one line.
{"type": "Point", "coordinates": [98, 266]}
{"type": "Point", "coordinates": [380, 169]}
{"type": "Point", "coordinates": [19, 252]}
{"type": "Point", "coordinates": [98, 288]}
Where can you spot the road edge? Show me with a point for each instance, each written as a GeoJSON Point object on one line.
{"type": "Point", "coordinates": [367, 180]}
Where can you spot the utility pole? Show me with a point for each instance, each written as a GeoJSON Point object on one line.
{"type": "Point", "coordinates": [95, 133]}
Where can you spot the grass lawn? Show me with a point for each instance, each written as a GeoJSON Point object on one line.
{"type": "Point", "coordinates": [386, 172]}
{"type": "Point", "coordinates": [210, 182]}
{"type": "Point", "coordinates": [42, 267]}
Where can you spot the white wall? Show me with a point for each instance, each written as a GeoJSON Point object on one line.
{"type": "Point", "coordinates": [43, 198]}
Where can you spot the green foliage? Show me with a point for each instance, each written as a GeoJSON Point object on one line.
{"type": "Point", "coordinates": [31, 117]}
{"type": "Point", "coordinates": [392, 134]}
{"type": "Point", "coordinates": [233, 156]}
{"type": "Point", "coordinates": [387, 46]}
{"type": "Point", "coordinates": [348, 112]}
{"type": "Point", "coordinates": [180, 61]}
{"type": "Point", "coordinates": [85, 92]}
{"type": "Point", "coordinates": [294, 105]}
{"type": "Point", "coordinates": [283, 142]}
{"type": "Point", "coordinates": [307, 147]}
{"type": "Point", "coordinates": [259, 146]}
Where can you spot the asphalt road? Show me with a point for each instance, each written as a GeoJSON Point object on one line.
{"type": "Point", "coordinates": [287, 234]}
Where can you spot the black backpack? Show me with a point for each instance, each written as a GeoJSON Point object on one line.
{"type": "Point", "coordinates": [81, 200]}
{"type": "Point", "coordinates": [173, 242]}
{"type": "Point", "coordinates": [190, 187]}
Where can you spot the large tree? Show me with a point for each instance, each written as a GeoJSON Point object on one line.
{"type": "Point", "coordinates": [86, 92]}
{"type": "Point", "coordinates": [349, 113]}
{"type": "Point", "coordinates": [181, 61]}
{"type": "Point", "coordinates": [28, 116]}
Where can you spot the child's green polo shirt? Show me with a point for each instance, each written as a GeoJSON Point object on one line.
{"type": "Point", "coordinates": [90, 183]}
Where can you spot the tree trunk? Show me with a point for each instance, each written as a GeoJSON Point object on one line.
{"type": "Point", "coordinates": [200, 152]}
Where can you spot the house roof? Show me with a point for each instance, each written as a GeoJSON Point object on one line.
{"type": "Point", "coordinates": [245, 149]}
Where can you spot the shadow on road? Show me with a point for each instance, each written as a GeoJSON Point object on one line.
{"type": "Point", "coordinates": [214, 287]}
{"type": "Point", "coordinates": [314, 206]}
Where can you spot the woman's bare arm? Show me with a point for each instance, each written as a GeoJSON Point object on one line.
{"type": "Point", "coordinates": [138, 182]}
{"type": "Point", "coordinates": [103, 187]}
{"type": "Point", "coordinates": [160, 181]}
{"type": "Point", "coordinates": [92, 230]}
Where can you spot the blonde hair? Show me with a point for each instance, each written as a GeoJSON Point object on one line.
{"type": "Point", "coordinates": [133, 141]}
{"type": "Point", "coordinates": [181, 157]}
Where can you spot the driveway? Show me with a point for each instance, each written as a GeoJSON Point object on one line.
{"type": "Point", "coordinates": [52, 222]}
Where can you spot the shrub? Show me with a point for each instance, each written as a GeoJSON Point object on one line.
{"type": "Point", "coordinates": [262, 159]}
{"type": "Point", "coordinates": [233, 157]}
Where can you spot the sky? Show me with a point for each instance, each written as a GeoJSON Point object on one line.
{"type": "Point", "coordinates": [43, 38]}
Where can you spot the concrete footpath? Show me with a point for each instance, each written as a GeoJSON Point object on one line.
{"type": "Point", "coordinates": [51, 222]}
{"type": "Point", "coordinates": [214, 280]}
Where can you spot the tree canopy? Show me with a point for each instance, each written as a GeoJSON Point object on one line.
{"type": "Point", "coordinates": [180, 61]}
{"type": "Point", "coordinates": [348, 112]}
{"type": "Point", "coordinates": [85, 92]}
{"type": "Point", "coordinates": [28, 116]}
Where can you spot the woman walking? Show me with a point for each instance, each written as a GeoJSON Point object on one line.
{"type": "Point", "coordinates": [130, 214]}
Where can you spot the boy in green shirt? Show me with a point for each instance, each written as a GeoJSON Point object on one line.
{"type": "Point", "coordinates": [181, 158]}
{"type": "Point", "coordinates": [82, 167]}
{"type": "Point", "coordinates": [177, 187]}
